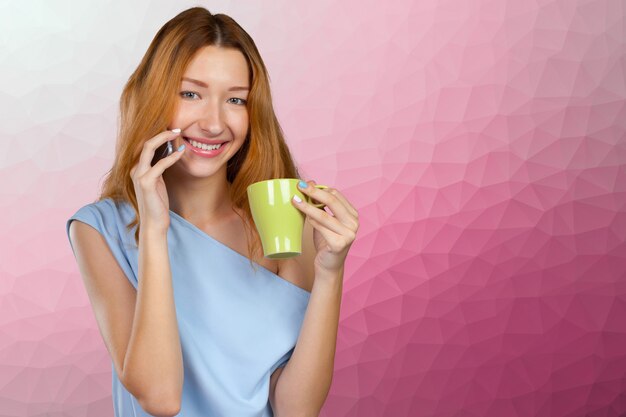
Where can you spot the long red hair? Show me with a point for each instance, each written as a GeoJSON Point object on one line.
{"type": "Point", "coordinates": [149, 101]}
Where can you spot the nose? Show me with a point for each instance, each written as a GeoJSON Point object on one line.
{"type": "Point", "coordinates": [211, 121]}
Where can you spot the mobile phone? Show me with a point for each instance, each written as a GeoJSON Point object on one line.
{"type": "Point", "coordinates": [170, 148]}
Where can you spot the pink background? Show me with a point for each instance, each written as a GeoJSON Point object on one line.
{"type": "Point", "coordinates": [483, 143]}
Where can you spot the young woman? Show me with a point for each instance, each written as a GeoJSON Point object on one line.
{"type": "Point", "coordinates": [196, 321]}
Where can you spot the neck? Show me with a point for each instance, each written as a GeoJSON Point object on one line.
{"type": "Point", "coordinates": [199, 200]}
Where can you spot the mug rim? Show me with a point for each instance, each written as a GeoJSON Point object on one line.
{"type": "Point", "coordinates": [286, 178]}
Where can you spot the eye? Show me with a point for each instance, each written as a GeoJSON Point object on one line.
{"type": "Point", "coordinates": [182, 94]}
{"type": "Point", "coordinates": [243, 102]}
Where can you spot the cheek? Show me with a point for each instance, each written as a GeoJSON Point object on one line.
{"type": "Point", "coordinates": [244, 121]}
{"type": "Point", "coordinates": [180, 115]}
{"type": "Point", "coordinates": [241, 123]}
{"type": "Point", "coordinates": [244, 126]}
{"type": "Point", "coordinates": [188, 110]}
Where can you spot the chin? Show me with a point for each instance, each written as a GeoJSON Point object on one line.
{"type": "Point", "coordinates": [201, 169]}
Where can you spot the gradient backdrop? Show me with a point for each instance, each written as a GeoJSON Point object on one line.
{"type": "Point", "coordinates": [483, 143]}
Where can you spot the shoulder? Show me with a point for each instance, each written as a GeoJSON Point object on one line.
{"type": "Point", "coordinates": [300, 269]}
{"type": "Point", "coordinates": [107, 216]}
{"type": "Point", "coordinates": [105, 208]}
{"type": "Point", "coordinates": [95, 214]}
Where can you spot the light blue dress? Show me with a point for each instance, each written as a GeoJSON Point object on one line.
{"type": "Point", "coordinates": [236, 326]}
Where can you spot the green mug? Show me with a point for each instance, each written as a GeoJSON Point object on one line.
{"type": "Point", "coordinates": [278, 222]}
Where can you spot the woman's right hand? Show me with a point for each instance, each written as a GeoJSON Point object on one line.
{"type": "Point", "coordinates": [150, 188]}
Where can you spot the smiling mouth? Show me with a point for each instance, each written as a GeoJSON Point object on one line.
{"type": "Point", "coordinates": [203, 146]}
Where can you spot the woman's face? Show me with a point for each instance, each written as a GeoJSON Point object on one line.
{"type": "Point", "coordinates": [212, 101]}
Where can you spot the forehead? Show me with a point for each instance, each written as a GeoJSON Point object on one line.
{"type": "Point", "coordinates": [220, 66]}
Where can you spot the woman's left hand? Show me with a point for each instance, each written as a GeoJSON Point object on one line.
{"type": "Point", "coordinates": [333, 233]}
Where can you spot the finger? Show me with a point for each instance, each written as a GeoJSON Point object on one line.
{"type": "Point", "coordinates": [332, 202]}
{"type": "Point", "coordinates": [330, 236]}
{"type": "Point", "coordinates": [321, 217]}
{"type": "Point", "coordinates": [168, 149]}
{"type": "Point", "coordinates": [346, 203]}
{"type": "Point", "coordinates": [341, 198]}
{"type": "Point", "coordinates": [164, 163]}
{"type": "Point", "coordinates": [344, 200]}
{"type": "Point", "coordinates": [150, 146]}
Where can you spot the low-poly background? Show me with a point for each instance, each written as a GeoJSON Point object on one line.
{"type": "Point", "coordinates": [482, 141]}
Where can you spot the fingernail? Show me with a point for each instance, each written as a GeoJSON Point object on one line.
{"type": "Point", "coordinates": [302, 184]}
{"type": "Point", "coordinates": [181, 147]}
{"type": "Point", "coordinates": [176, 130]}
{"type": "Point", "coordinates": [297, 199]}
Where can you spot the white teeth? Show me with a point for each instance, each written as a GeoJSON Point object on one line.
{"type": "Point", "coordinates": [204, 146]}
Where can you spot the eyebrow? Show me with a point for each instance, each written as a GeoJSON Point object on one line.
{"type": "Point", "coordinates": [202, 84]}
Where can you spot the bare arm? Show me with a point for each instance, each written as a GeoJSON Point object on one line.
{"type": "Point", "coordinates": [302, 386]}
{"type": "Point", "coordinates": [139, 327]}
{"type": "Point", "coordinates": [153, 363]}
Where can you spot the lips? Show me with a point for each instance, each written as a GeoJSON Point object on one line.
{"type": "Point", "coordinates": [209, 153]}
{"type": "Point", "coordinates": [202, 140]}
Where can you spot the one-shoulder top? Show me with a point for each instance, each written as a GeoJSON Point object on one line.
{"type": "Point", "coordinates": [236, 325]}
